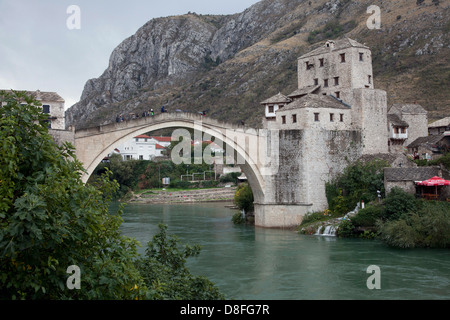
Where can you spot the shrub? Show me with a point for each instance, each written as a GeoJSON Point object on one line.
{"type": "Point", "coordinates": [399, 202]}
{"type": "Point", "coordinates": [368, 216]}
{"type": "Point", "coordinates": [428, 227]}
{"type": "Point", "coordinates": [243, 198]}
{"type": "Point", "coordinates": [346, 229]}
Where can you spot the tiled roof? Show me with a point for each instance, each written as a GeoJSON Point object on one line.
{"type": "Point", "coordinates": [163, 139]}
{"type": "Point", "coordinates": [158, 146]}
{"type": "Point", "coordinates": [315, 101]}
{"type": "Point", "coordinates": [143, 136]}
{"type": "Point", "coordinates": [338, 45]}
{"type": "Point", "coordinates": [410, 174]}
{"type": "Point", "coordinates": [42, 95]}
{"type": "Point", "coordinates": [278, 98]}
{"type": "Point", "coordinates": [395, 120]}
{"type": "Point", "coordinates": [428, 140]}
{"type": "Point", "coordinates": [408, 108]}
{"type": "Point", "coordinates": [303, 91]}
{"type": "Point", "coordinates": [445, 122]}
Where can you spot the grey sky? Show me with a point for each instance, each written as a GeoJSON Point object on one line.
{"type": "Point", "coordinates": [38, 51]}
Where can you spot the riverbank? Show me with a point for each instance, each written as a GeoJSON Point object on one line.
{"type": "Point", "coordinates": [184, 196]}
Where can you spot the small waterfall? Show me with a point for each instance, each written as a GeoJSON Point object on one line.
{"type": "Point", "coordinates": [328, 231]}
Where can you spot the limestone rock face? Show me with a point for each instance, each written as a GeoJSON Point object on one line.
{"type": "Point", "coordinates": [169, 49]}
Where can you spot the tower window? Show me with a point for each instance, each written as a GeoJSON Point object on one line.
{"type": "Point", "coordinates": [341, 117]}
{"type": "Point", "coordinates": [325, 83]}
{"type": "Point", "coordinates": [316, 117]}
{"type": "Point", "coordinates": [321, 62]}
{"type": "Point", "coordinates": [361, 56]}
{"type": "Point", "coordinates": [283, 119]}
{"type": "Point", "coordinates": [331, 117]}
{"type": "Point", "coordinates": [316, 82]}
{"type": "Point", "coordinates": [370, 79]}
{"type": "Point", "coordinates": [294, 118]}
{"type": "Point", "coordinates": [338, 94]}
{"type": "Point", "coordinates": [308, 65]}
{"type": "Point", "coordinates": [336, 81]}
{"type": "Point", "coordinates": [342, 57]}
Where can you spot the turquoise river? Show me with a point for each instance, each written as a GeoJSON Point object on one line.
{"type": "Point", "coordinates": [252, 263]}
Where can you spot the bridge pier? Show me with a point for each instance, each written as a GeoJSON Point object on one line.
{"type": "Point", "coordinates": [284, 216]}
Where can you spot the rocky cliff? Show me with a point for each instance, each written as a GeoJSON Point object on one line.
{"type": "Point", "coordinates": [228, 64]}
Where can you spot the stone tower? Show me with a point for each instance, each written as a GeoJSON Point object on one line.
{"type": "Point", "coordinates": [343, 70]}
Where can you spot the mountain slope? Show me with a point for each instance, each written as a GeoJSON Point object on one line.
{"type": "Point", "coordinates": [228, 64]}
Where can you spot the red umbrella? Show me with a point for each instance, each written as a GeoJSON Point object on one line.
{"type": "Point", "coordinates": [435, 181]}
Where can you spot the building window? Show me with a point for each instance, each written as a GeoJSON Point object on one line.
{"type": "Point", "coordinates": [341, 117]}
{"type": "Point", "coordinates": [336, 81]}
{"type": "Point", "coordinates": [141, 157]}
{"type": "Point", "coordinates": [338, 94]}
{"type": "Point", "coordinates": [331, 117]}
{"type": "Point", "coordinates": [270, 109]}
{"type": "Point", "coordinates": [316, 82]}
{"type": "Point", "coordinates": [283, 119]}
{"type": "Point", "coordinates": [46, 108]}
{"type": "Point", "coordinates": [325, 83]}
{"type": "Point", "coordinates": [137, 139]}
{"type": "Point", "coordinates": [308, 65]}
{"type": "Point", "coordinates": [396, 131]}
{"type": "Point", "coordinates": [342, 57]}
{"type": "Point", "coordinates": [321, 62]}
{"type": "Point", "coordinates": [294, 118]}
{"type": "Point", "coordinates": [316, 117]}
{"type": "Point", "coordinates": [403, 130]}
{"type": "Point", "coordinates": [361, 56]}
{"type": "Point", "coordinates": [370, 79]}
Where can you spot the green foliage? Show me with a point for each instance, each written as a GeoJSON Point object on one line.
{"type": "Point", "coordinates": [49, 220]}
{"type": "Point", "coordinates": [359, 182]}
{"type": "Point", "coordinates": [368, 216]}
{"type": "Point", "coordinates": [237, 218]}
{"type": "Point", "coordinates": [166, 275]}
{"type": "Point", "coordinates": [229, 177]}
{"type": "Point", "coordinates": [428, 227]}
{"type": "Point", "coordinates": [399, 202]}
{"type": "Point", "coordinates": [243, 198]}
{"type": "Point", "coordinates": [346, 229]}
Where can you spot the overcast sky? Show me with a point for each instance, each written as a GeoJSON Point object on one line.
{"type": "Point", "coordinates": [39, 51]}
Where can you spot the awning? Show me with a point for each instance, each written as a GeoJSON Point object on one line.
{"type": "Point", "coordinates": [435, 181]}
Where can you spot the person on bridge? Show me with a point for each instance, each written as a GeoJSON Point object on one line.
{"type": "Point", "coordinates": [163, 109]}
{"type": "Point", "coordinates": [151, 112]}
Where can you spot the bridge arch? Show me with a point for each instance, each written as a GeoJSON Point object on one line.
{"type": "Point", "coordinates": [94, 144]}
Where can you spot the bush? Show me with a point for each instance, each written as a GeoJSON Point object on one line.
{"type": "Point", "coordinates": [346, 229]}
{"type": "Point", "coordinates": [243, 198]}
{"type": "Point", "coordinates": [368, 216]}
{"type": "Point", "coordinates": [428, 227]}
{"type": "Point", "coordinates": [398, 202]}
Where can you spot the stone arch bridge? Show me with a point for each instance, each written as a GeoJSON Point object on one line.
{"type": "Point", "coordinates": [256, 151]}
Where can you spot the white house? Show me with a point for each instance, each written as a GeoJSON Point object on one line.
{"type": "Point", "coordinates": [143, 147]}
{"type": "Point", "coordinates": [52, 105]}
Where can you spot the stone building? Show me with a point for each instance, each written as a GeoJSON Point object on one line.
{"type": "Point", "coordinates": [53, 105]}
{"type": "Point", "coordinates": [332, 119]}
{"type": "Point", "coordinates": [441, 126]}
{"type": "Point", "coordinates": [406, 178]}
{"type": "Point", "coordinates": [415, 116]}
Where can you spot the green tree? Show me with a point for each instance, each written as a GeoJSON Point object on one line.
{"type": "Point", "coordinates": [243, 198]}
{"type": "Point", "coordinates": [165, 272]}
{"type": "Point", "coordinates": [49, 220]}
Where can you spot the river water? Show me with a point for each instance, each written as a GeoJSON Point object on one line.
{"type": "Point", "coordinates": [252, 263]}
